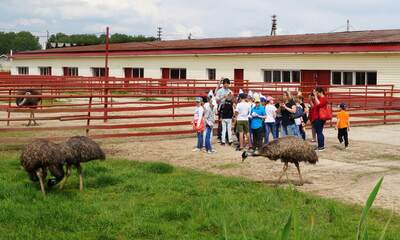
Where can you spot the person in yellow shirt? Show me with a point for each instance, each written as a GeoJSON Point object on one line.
{"type": "Point", "coordinates": [343, 125]}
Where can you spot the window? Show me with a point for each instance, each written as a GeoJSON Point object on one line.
{"type": "Point", "coordinates": [296, 76]}
{"type": "Point", "coordinates": [347, 78]}
{"type": "Point", "coordinates": [354, 78]}
{"type": "Point", "coordinates": [267, 76]}
{"type": "Point", "coordinates": [336, 78]}
{"type": "Point", "coordinates": [211, 73]}
{"type": "Point", "coordinates": [285, 76]}
{"type": "Point", "coordinates": [134, 72]}
{"type": "Point", "coordinates": [178, 73]}
{"type": "Point", "coordinates": [45, 71]}
{"type": "Point", "coordinates": [70, 71]}
{"type": "Point", "coordinates": [98, 72]}
{"type": "Point", "coordinates": [372, 78]}
{"type": "Point", "coordinates": [277, 76]}
{"type": "Point", "coordinates": [23, 70]}
{"type": "Point", "coordinates": [360, 78]}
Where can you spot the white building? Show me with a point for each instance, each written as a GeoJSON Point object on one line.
{"type": "Point", "coordinates": [5, 64]}
{"type": "Point", "coordinates": [349, 58]}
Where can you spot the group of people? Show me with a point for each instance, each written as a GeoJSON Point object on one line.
{"type": "Point", "coordinates": [253, 118]}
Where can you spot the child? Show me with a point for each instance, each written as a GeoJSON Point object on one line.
{"type": "Point", "coordinates": [257, 116]}
{"type": "Point", "coordinates": [227, 115]}
{"type": "Point", "coordinates": [270, 117]}
{"type": "Point", "coordinates": [343, 125]}
{"type": "Point", "coordinates": [209, 117]}
{"type": "Point", "coordinates": [198, 123]}
{"type": "Point", "coordinates": [299, 117]}
{"type": "Point", "coordinates": [242, 113]}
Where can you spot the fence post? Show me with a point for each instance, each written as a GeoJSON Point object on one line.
{"type": "Point", "coordinates": [173, 108]}
{"type": "Point", "coordinates": [384, 107]}
{"type": "Point", "coordinates": [89, 113]}
{"type": "Point", "coordinates": [8, 109]}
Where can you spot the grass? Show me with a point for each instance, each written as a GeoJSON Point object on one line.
{"type": "Point", "coordinates": [132, 200]}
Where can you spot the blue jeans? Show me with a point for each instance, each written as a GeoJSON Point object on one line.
{"type": "Point", "coordinates": [319, 128]}
{"type": "Point", "coordinates": [290, 130]}
{"type": "Point", "coordinates": [270, 128]}
{"type": "Point", "coordinates": [208, 138]}
{"type": "Point", "coordinates": [199, 140]}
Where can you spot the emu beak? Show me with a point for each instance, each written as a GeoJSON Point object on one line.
{"type": "Point", "coordinates": [244, 155]}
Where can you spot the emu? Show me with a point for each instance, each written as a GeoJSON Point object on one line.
{"type": "Point", "coordinates": [289, 150]}
{"type": "Point", "coordinates": [77, 150]}
{"type": "Point", "coordinates": [39, 156]}
{"type": "Point", "coordinates": [31, 102]}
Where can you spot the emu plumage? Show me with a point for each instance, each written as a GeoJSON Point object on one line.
{"type": "Point", "coordinates": [289, 150]}
{"type": "Point", "coordinates": [31, 102]}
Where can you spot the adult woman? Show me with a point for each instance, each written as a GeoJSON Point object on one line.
{"type": "Point", "coordinates": [320, 101]}
{"type": "Point", "coordinates": [288, 108]}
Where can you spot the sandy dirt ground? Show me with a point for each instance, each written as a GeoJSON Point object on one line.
{"type": "Point", "coordinates": [347, 175]}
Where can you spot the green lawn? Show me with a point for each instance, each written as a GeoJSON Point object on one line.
{"type": "Point", "coordinates": [131, 200]}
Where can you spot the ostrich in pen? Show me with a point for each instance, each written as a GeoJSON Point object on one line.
{"type": "Point", "coordinates": [77, 150]}
{"type": "Point", "coordinates": [289, 150]}
{"type": "Point", "coordinates": [39, 156]}
{"type": "Point", "coordinates": [31, 102]}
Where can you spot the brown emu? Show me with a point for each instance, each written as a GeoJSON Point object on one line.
{"type": "Point", "coordinates": [39, 156]}
{"type": "Point", "coordinates": [30, 103]}
{"type": "Point", "coordinates": [289, 150]}
{"type": "Point", "coordinates": [77, 150]}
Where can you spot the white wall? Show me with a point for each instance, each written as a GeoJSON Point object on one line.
{"type": "Point", "coordinates": [387, 65]}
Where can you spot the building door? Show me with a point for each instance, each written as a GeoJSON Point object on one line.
{"type": "Point", "coordinates": [238, 80]}
{"type": "Point", "coordinates": [165, 75]}
{"type": "Point", "coordinates": [312, 78]}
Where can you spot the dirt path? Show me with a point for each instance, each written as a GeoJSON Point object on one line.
{"type": "Point", "coordinates": [347, 175]}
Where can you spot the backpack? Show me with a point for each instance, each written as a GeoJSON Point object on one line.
{"type": "Point", "coordinates": [299, 112]}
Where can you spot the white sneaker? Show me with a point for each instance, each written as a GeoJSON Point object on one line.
{"type": "Point", "coordinates": [209, 152]}
{"type": "Point", "coordinates": [196, 150]}
{"type": "Point", "coordinates": [213, 151]}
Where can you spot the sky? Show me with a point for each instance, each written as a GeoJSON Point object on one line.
{"type": "Point", "coordinates": [203, 19]}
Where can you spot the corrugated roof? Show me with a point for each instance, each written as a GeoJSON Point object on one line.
{"type": "Point", "coordinates": [374, 37]}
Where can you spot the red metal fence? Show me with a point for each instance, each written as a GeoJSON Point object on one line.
{"type": "Point", "coordinates": [118, 106]}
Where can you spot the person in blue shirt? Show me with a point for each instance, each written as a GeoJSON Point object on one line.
{"type": "Point", "coordinates": [257, 116]}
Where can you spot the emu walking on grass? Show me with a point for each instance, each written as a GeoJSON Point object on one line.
{"type": "Point", "coordinates": [39, 156]}
{"type": "Point", "coordinates": [289, 150]}
{"type": "Point", "coordinates": [31, 102]}
{"type": "Point", "coordinates": [77, 150]}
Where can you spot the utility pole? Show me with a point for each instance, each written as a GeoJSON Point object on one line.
{"type": "Point", "coordinates": [348, 25]}
{"type": "Point", "coordinates": [47, 41]}
{"type": "Point", "coordinates": [159, 33]}
{"type": "Point", "coordinates": [274, 25]}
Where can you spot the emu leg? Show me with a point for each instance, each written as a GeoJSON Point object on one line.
{"type": "Point", "coordinates": [80, 177]}
{"type": "Point", "coordinates": [39, 173]}
{"type": "Point", "coordinates": [64, 180]}
{"type": "Point", "coordinates": [285, 167]}
{"type": "Point", "coordinates": [34, 120]}
{"type": "Point", "coordinates": [298, 170]}
{"type": "Point", "coordinates": [30, 119]}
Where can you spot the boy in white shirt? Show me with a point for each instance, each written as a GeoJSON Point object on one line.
{"type": "Point", "coordinates": [242, 113]}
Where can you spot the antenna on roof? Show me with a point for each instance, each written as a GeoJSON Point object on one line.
{"type": "Point", "coordinates": [348, 25]}
{"type": "Point", "coordinates": [159, 33]}
{"type": "Point", "coordinates": [190, 36]}
{"type": "Point", "coordinates": [273, 28]}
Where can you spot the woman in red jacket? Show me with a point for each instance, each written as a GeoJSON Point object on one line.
{"type": "Point", "coordinates": [319, 102]}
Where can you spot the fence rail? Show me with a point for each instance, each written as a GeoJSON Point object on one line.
{"type": "Point", "coordinates": [103, 107]}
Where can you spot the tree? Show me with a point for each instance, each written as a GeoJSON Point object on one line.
{"type": "Point", "coordinates": [21, 41]}
{"type": "Point", "coordinates": [91, 39]}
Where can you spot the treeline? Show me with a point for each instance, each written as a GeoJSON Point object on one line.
{"type": "Point", "coordinates": [90, 39]}
{"type": "Point", "coordinates": [26, 41]}
{"type": "Point", "coordinates": [21, 41]}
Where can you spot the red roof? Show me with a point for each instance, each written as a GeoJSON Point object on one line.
{"type": "Point", "coordinates": [357, 41]}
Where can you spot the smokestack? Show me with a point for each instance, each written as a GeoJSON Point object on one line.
{"type": "Point", "coordinates": [274, 25]}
